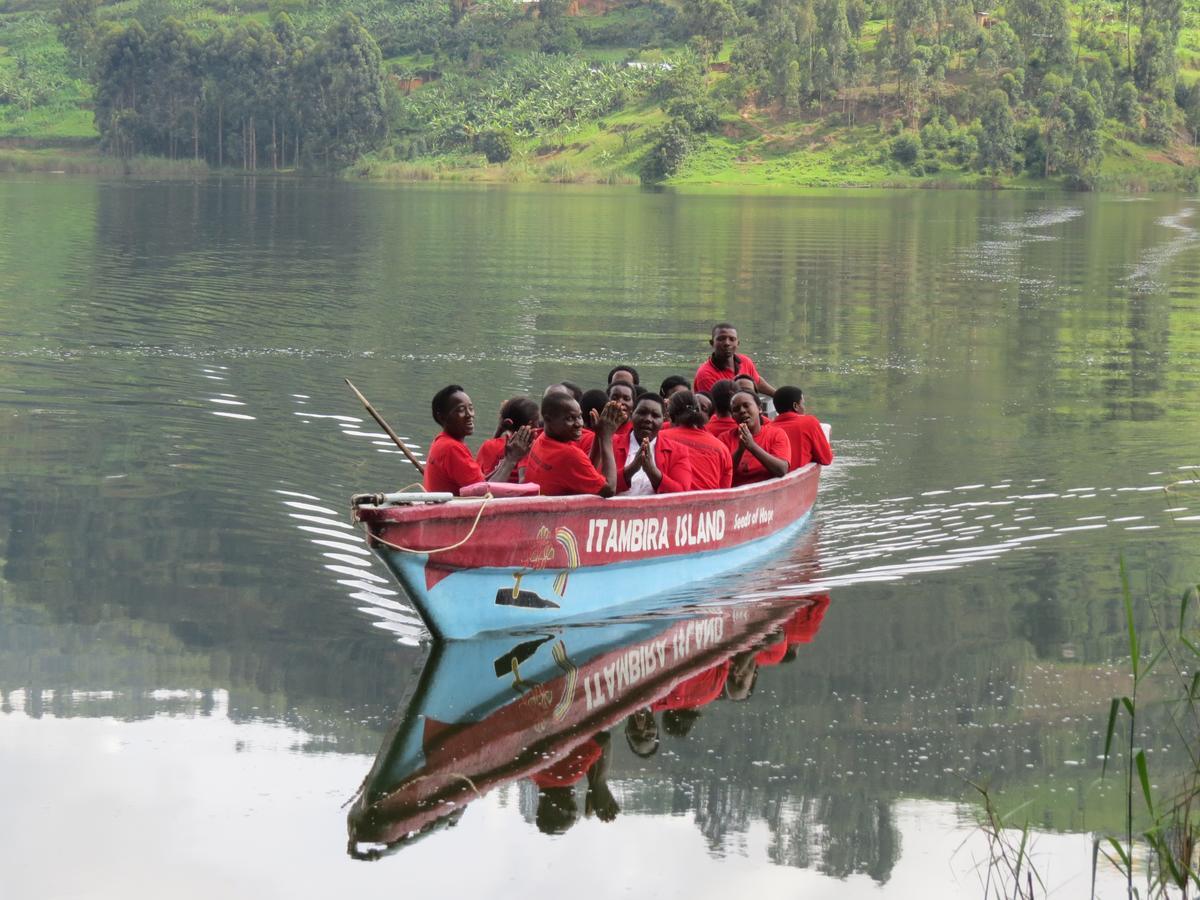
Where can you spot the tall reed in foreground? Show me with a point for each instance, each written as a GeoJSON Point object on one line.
{"type": "Point", "coordinates": [1170, 840]}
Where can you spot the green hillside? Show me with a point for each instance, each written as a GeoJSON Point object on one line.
{"type": "Point", "coordinates": [707, 93]}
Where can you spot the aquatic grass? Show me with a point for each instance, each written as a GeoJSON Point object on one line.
{"type": "Point", "coordinates": [1010, 873]}
{"type": "Point", "coordinates": [1173, 836]}
{"type": "Point", "coordinates": [29, 161]}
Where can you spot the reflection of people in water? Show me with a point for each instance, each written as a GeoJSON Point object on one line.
{"type": "Point", "coordinates": [743, 675]}
{"type": "Point", "coordinates": [557, 808]}
{"type": "Point", "coordinates": [680, 709]}
{"type": "Point", "coordinates": [804, 625]}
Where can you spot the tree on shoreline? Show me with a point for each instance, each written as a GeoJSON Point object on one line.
{"type": "Point", "coordinates": [239, 96]}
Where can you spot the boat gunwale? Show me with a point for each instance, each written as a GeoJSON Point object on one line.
{"type": "Point", "coordinates": [466, 507]}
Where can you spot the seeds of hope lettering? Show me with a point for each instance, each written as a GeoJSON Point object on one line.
{"type": "Point", "coordinates": [763, 515]}
{"type": "Point", "coordinates": [636, 535]}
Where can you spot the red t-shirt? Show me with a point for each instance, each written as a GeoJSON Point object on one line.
{"type": "Point", "coordinates": [804, 625]}
{"type": "Point", "coordinates": [772, 655]}
{"type": "Point", "coordinates": [708, 374]}
{"type": "Point", "coordinates": [560, 468]}
{"type": "Point", "coordinates": [586, 438]}
{"type": "Point", "coordinates": [699, 690]}
{"type": "Point", "coordinates": [672, 459]}
{"type": "Point", "coordinates": [490, 453]}
{"type": "Point", "coordinates": [572, 768]}
{"type": "Point", "coordinates": [748, 468]}
{"type": "Point", "coordinates": [450, 466]}
{"type": "Point", "coordinates": [712, 464]}
{"type": "Point", "coordinates": [719, 426]}
{"type": "Point", "coordinates": [807, 438]}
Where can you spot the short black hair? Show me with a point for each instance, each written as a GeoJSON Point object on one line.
{"type": "Point", "coordinates": [638, 390]}
{"type": "Point", "coordinates": [679, 722]}
{"type": "Point", "coordinates": [630, 369]}
{"type": "Point", "coordinates": [787, 397]}
{"type": "Point", "coordinates": [557, 810]}
{"type": "Point", "coordinates": [671, 382]}
{"type": "Point", "coordinates": [721, 325]}
{"type": "Point", "coordinates": [632, 388]}
{"type": "Point", "coordinates": [441, 400]}
{"type": "Point", "coordinates": [722, 392]}
{"type": "Point", "coordinates": [751, 394]}
{"type": "Point", "coordinates": [555, 402]}
{"type": "Point", "coordinates": [593, 399]}
{"type": "Point", "coordinates": [684, 410]}
{"type": "Point", "coordinates": [653, 398]}
{"type": "Point", "coordinates": [576, 390]}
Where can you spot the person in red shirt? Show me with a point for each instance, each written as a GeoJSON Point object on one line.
{"type": "Point", "coordinates": [804, 432]}
{"type": "Point", "coordinates": [759, 451]}
{"type": "Point", "coordinates": [649, 461]}
{"type": "Point", "coordinates": [450, 466]}
{"type": "Point", "coordinates": [712, 463]}
{"type": "Point", "coordinates": [625, 374]}
{"type": "Point", "coordinates": [557, 808]}
{"type": "Point", "coordinates": [672, 384]}
{"type": "Point", "coordinates": [558, 465]}
{"type": "Point", "coordinates": [680, 708]}
{"type": "Point", "coordinates": [744, 382]}
{"type": "Point", "coordinates": [720, 422]}
{"type": "Point", "coordinates": [726, 362]}
{"type": "Point", "coordinates": [515, 413]}
{"type": "Point", "coordinates": [623, 395]}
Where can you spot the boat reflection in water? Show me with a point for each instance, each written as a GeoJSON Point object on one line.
{"type": "Point", "coordinates": [554, 707]}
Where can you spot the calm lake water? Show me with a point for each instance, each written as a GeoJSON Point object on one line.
{"type": "Point", "coordinates": [199, 662]}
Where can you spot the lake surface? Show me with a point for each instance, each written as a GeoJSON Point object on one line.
{"type": "Point", "coordinates": [199, 661]}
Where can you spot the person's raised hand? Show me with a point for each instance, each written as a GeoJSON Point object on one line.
{"type": "Point", "coordinates": [745, 435]}
{"type": "Point", "coordinates": [612, 417]}
{"type": "Point", "coordinates": [519, 443]}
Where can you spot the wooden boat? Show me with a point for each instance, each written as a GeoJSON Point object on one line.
{"type": "Point", "coordinates": [478, 565]}
{"type": "Point", "coordinates": [493, 710]}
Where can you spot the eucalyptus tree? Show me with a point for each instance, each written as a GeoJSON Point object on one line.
{"type": "Point", "coordinates": [348, 93]}
{"type": "Point", "coordinates": [121, 86]}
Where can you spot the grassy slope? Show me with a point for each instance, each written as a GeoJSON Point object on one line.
{"type": "Point", "coordinates": [755, 148]}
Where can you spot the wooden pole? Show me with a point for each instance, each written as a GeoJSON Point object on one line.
{"type": "Point", "coordinates": [385, 426]}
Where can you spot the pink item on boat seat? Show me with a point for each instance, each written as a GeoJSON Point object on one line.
{"type": "Point", "coordinates": [499, 489]}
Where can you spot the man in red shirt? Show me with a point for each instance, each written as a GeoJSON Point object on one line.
{"type": "Point", "coordinates": [726, 362]}
{"type": "Point", "coordinates": [558, 465]}
{"type": "Point", "coordinates": [805, 433]}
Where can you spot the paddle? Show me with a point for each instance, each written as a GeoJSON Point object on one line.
{"type": "Point", "coordinates": [385, 426]}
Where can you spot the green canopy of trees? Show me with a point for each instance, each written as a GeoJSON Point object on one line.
{"type": "Point", "coordinates": [250, 96]}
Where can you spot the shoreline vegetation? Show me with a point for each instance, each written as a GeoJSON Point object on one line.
{"type": "Point", "coordinates": [52, 159]}
{"type": "Point", "coordinates": [694, 95]}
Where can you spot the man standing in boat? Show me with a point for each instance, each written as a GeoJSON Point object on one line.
{"type": "Point", "coordinates": [725, 362]}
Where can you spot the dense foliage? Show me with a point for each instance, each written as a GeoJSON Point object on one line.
{"type": "Point", "coordinates": [248, 96]}
{"type": "Point", "coordinates": [1044, 88]}
{"type": "Point", "coordinates": [536, 95]}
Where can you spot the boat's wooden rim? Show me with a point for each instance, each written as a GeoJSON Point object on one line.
{"type": "Point", "coordinates": [465, 507]}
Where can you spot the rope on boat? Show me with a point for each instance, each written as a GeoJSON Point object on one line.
{"type": "Point", "coordinates": [487, 498]}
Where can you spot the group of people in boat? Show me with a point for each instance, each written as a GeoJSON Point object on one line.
{"type": "Point", "coordinates": [707, 433]}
